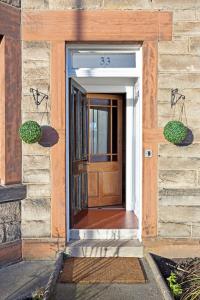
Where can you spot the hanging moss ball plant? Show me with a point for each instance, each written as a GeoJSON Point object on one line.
{"type": "Point", "coordinates": [175, 132]}
{"type": "Point", "coordinates": [30, 132]}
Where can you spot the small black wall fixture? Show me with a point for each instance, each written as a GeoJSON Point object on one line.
{"type": "Point", "coordinates": [38, 96]}
{"type": "Point", "coordinates": [176, 96]}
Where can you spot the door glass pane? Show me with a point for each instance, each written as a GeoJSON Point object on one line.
{"type": "Point", "coordinates": [99, 130]}
{"type": "Point", "coordinates": [114, 130]}
{"type": "Point", "coordinates": [77, 125]}
{"type": "Point", "coordinates": [100, 102]}
{"type": "Point", "coordinates": [85, 128]}
{"type": "Point", "coordinates": [100, 158]}
{"type": "Point", "coordinates": [80, 126]}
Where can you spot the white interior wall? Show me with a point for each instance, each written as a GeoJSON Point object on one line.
{"type": "Point", "coordinates": [121, 85]}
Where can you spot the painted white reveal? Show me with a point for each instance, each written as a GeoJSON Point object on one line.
{"type": "Point", "coordinates": [117, 80]}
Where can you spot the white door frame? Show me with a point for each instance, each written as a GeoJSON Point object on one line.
{"type": "Point", "coordinates": [133, 132]}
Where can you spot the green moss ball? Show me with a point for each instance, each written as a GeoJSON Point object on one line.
{"type": "Point", "coordinates": [30, 132]}
{"type": "Point", "coordinates": [175, 132]}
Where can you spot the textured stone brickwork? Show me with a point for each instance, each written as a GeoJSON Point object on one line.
{"type": "Point", "coordinates": [36, 159]}
{"type": "Point", "coordinates": [16, 3]}
{"type": "Point", "coordinates": [179, 187]}
{"type": "Point", "coordinates": [183, 9]}
{"type": "Point", "coordinates": [178, 67]}
{"type": "Point", "coordinates": [10, 221]}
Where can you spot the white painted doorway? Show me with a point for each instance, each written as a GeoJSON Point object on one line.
{"type": "Point", "coordinates": [113, 69]}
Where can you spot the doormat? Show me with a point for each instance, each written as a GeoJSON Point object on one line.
{"type": "Point", "coordinates": [88, 270]}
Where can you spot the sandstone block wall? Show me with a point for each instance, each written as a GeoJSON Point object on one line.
{"type": "Point", "coordinates": [36, 208]}
{"type": "Point", "coordinates": [179, 189]}
{"type": "Point", "coordinates": [178, 67]}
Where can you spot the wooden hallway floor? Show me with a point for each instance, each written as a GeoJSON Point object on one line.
{"type": "Point", "coordinates": [108, 219]}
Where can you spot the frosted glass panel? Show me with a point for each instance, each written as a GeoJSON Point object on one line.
{"type": "Point", "coordinates": [103, 60]}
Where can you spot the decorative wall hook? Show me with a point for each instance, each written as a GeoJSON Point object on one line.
{"type": "Point", "coordinates": [38, 96]}
{"type": "Point", "coordinates": [176, 96]}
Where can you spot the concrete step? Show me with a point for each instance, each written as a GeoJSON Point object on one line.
{"type": "Point", "coordinates": [105, 248]}
{"type": "Point", "coordinates": [103, 234]}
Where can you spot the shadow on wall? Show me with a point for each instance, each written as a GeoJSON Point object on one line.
{"type": "Point", "coordinates": [49, 137]}
{"type": "Point", "coordinates": [188, 140]}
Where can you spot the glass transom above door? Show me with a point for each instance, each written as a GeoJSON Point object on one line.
{"type": "Point", "coordinates": [83, 59]}
{"type": "Point", "coordinates": [103, 63]}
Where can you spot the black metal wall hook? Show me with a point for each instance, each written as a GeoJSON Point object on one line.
{"type": "Point", "coordinates": [176, 96]}
{"type": "Point", "coordinates": [38, 96]}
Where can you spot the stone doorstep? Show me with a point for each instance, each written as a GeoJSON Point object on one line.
{"type": "Point", "coordinates": [103, 234]}
{"type": "Point", "coordinates": [105, 248]}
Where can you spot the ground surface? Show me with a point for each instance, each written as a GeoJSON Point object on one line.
{"type": "Point", "coordinates": [23, 278]}
{"type": "Point", "coordinates": [148, 291]}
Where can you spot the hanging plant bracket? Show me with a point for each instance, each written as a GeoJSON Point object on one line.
{"type": "Point", "coordinates": [176, 96]}
{"type": "Point", "coordinates": [38, 96]}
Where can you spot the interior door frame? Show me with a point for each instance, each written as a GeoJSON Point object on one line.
{"type": "Point", "coordinates": [137, 161]}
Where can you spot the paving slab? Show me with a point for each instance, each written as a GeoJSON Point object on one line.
{"type": "Point", "coordinates": [147, 291]}
{"type": "Point", "coordinates": [21, 279]}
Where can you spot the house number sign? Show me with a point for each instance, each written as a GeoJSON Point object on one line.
{"type": "Point", "coordinates": [87, 59]}
{"type": "Point", "coordinates": [105, 61]}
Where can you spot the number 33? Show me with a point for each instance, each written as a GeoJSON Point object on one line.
{"type": "Point", "coordinates": [104, 61]}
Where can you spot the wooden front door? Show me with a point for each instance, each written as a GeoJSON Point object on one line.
{"type": "Point", "coordinates": [78, 152]}
{"type": "Point", "coordinates": [105, 150]}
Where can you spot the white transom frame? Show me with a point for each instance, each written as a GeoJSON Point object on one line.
{"type": "Point", "coordinates": [125, 52]}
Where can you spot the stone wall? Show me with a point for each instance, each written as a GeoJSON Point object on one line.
{"type": "Point", "coordinates": [16, 3]}
{"type": "Point", "coordinates": [179, 181]}
{"type": "Point", "coordinates": [10, 222]}
{"type": "Point", "coordinates": [36, 159]}
{"type": "Point", "coordinates": [179, 167]}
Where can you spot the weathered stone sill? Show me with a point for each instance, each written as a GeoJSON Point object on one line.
{"type": "Point", "coordinates": [9, 193]}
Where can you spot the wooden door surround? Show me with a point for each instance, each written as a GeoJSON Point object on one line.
{"type": "Point", "coordinates": [105, 169]}
{"type": "Point", "coordinates": [100, 26]}
{"type": "Point", "coordinates": [10, 95]}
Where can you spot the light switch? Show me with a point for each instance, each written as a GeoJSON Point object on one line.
{"type": "Point", "coordinates": [148, 153]}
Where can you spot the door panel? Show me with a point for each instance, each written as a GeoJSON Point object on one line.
{"type": "Point", "coordinates": [111, 184]}
{"type": "Point", "coordinates": [105, 150]}
{"type": "Point", "coordinates": [93, 187]}
{"type": "Point", "coordinates": [78, 152]}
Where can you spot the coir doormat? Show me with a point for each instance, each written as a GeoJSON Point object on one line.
{"type": "Point", "coordinates": [88, 270]}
